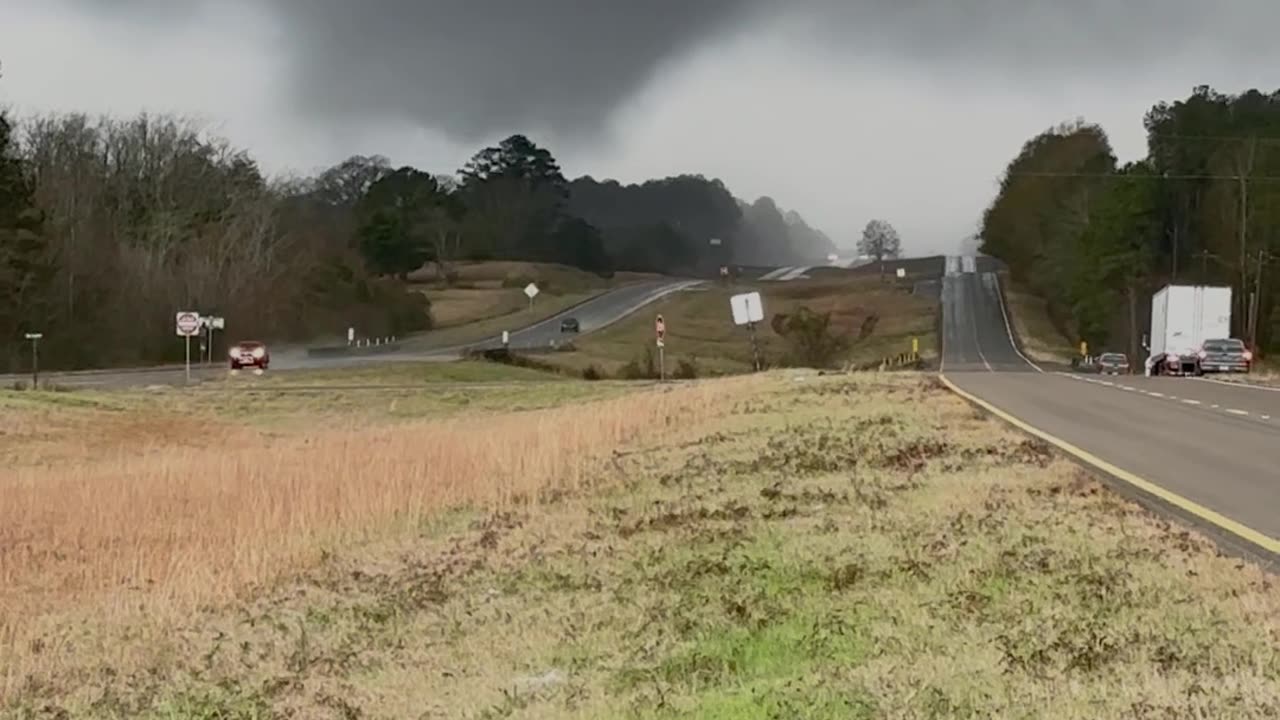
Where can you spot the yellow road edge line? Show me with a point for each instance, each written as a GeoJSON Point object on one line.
{"type": "Point", "coordinates": [1221, 521]}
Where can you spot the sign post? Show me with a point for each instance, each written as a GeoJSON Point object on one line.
{"type": "Point", "coordinates": [212, 323]}
{"type": "Point", "coordinates": [748, 309]}
{"type": "Point", "coordinates": [661, 327]}
{"type": "Point", "coordinates": [188, 326]}
{"type": "Point", "coordinates": [35, 359]}
{"type": "Point", "coordinates": [506, 338]}
{"type": "Point", "coordinates": [532, 291]}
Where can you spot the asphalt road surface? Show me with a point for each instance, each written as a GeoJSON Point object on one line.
{"type": "Point", "coordinates": [1211, 443]}
{"type": "Point", "coordinates": [593, 314]}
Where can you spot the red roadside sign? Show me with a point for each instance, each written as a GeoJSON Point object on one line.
{"type": "Point", "coordinates": [661, 327]}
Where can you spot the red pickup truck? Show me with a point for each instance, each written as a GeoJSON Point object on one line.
{"type": "Point", "coordinates": [249, 354]}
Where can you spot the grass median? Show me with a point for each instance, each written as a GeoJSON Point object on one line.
{"type": "Point", "coordinates": [838, 547]}
{"type": "Point", "coordinates": [701, 333]}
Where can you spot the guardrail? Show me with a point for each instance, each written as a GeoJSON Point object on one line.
{"type": "Point", "coordinates": [364, 346]}
{"type": "Point", "coordinates": [901, 361]}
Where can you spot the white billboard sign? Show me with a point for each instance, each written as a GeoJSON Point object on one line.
{"type": "Point", "coordinates": [747, 308]}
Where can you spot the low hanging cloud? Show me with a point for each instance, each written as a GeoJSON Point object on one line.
{"type": "Point", "coordinates": [475, 68]}
{"type": "Point", "coordinates": [472, 68]}
{"type": "Point", "coordinates": [843, 109]}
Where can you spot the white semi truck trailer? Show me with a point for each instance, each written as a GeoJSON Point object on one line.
{"type": "Point", "coordinates": [1182, 318]}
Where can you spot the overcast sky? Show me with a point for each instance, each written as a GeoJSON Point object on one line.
{"type": "Point", "coordinates": [844, 110]}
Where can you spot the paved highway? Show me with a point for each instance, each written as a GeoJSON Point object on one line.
{"type": "Point", "coordinates": [593, 314]}
{"type": "Point", "coordinates": [1207, 449]}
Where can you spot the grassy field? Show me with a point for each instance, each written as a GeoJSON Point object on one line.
{"type": "Point", "coordinates": [840, 547]}
{"type": "Point", "coordinates": [477, 306]}
{"type": "Point", "coordinates": [1041, 340]}
{"type": "Point", "coordinates": [700, 327]}
{"type": "Point", "coordinates": [85, 425]}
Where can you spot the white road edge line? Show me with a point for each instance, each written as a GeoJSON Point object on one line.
{"type": "Point", "coordinates": [1245, 386]}
{"type": "Point", "coordinates": [1162, 396]}
{"type": "Point", "coordinates": [1009, 328]}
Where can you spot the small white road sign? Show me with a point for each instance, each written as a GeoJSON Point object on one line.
{"type": "Point", "coordinates": [531, 290]}
{"type": "Point", "coordinates": [747, 308]}
{"type": "Point", "coordinates": [188, 324]}
{"type": "Point", "coordinates": [34, 336]}
{"type": "Point", "coordinates": [902, 272]}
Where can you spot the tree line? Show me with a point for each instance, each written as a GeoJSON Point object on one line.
{"type": "Point", "coordinates": [110, 226]}
{"type": "Point", "coordinates": [1096, 238]}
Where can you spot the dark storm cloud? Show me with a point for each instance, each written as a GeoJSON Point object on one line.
{"type": "Point", "coordinates": [473, 68]}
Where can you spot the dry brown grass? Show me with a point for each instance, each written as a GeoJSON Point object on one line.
{"type": "Point", "coordinates": [1041, 339]}
{"type": "Point", "coordinates": [456, 306]}
{"type": "Point", "coordinates": [160, 530]}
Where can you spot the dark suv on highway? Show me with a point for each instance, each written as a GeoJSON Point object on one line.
{"type": "Point", "coordinates": [569, 325]}
{"type": "Point", "coordinates": [1224, 356]}
{"type": "Point", "coordinates": [1113, 364]}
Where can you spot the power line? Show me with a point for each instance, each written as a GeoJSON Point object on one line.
{"type": "Point", "coordinates": [1215, 138]}
{"type": "Point", "coordinates": [1148, 176]}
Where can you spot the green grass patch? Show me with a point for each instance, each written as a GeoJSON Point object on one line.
{"type": "Point", "coordinates": [701, 333]}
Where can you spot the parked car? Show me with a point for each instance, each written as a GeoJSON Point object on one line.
{"type": "Point", "coordinates": [249, 354]}
{"type": "Point", "coordinates": [569, 325]}
{"type": "Point", "coordinates": [1224, 355]}
{"type": "Point", "coordinates": [1113, 363]}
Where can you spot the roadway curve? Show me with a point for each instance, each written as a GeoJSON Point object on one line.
{"type": "Point", "coordinates": [1207, 448]}
{"type": "Point", "coordinates": [594, 314]}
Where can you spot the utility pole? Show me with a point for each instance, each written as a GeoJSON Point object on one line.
{"type": "Point", "coordinates": [1255, 299]}
{"type": "Point", "coordinates": [1243, 169]}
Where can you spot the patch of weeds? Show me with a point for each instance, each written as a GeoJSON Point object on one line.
{"type": "Point", "coordinates": [805, 451]}
{"type": "Point", "coordinates": [848, 576]}
{"type": "Point", "coordinates": [1066, 641]}
{"type": "Point", "coordinates": [668, 518]}
{"type": "Point", "coordinates": [801, 698]}
{"type": "Point", "coordinates": [934, 702]}
{"type": "Point", "coordinates": [914, 455]}
{"type": "Point", "coordinates": [222, 702]}
{"type": "Point", "coordinates": [553, 580]}
{"type": "Point", "coordinates": [777, 493]}
{"type": "Point", "coordinates": [746, 654]}
{"type": "Point", "coordinates": [1029, 451]}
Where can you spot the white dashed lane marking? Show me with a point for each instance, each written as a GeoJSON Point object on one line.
{"type": "Point", "coordinates": [1161, 396]}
